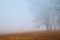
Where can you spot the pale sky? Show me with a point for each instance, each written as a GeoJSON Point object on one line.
{"type": "Point", "coordinates": [15, 16]}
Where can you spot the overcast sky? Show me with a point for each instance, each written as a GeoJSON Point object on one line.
{"type": "Point", "coordinates": [15, 16]}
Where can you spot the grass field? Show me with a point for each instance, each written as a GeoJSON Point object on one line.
{"type": "Point", "coordinates": [34, 35]}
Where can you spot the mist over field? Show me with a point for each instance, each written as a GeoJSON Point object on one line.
{"type": "Point", "coordinates": [29, 15]}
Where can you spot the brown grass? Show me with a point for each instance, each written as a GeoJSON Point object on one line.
{"type": "Point", "coordinates": [37, 35]}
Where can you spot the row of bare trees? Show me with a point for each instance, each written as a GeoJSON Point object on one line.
{"type": "Point", "coordinates": [47, 12]}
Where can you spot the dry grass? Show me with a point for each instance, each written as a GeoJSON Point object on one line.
{"type": "Point", "coordinates": [38, 35]}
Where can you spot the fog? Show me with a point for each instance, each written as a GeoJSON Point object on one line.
{"type": "Point", "coordinates": [29, 15]}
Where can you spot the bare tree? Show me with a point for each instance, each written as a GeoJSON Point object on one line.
{"type": "Point", "coordinates": [56, 12]}
{"type": "Point", "coordinates": [45, 12]}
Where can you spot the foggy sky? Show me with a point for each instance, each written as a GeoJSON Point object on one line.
{"type": "Point", "coordinates": [15, 16]}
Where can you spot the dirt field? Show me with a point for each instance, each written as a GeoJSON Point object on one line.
{"type": "Point", "coordinates": [36, 35]}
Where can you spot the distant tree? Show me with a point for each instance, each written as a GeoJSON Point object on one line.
{"type": "Point", "coordinates": [41, 10]}
{"type": "Point", "coordinates": [56, 11]}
